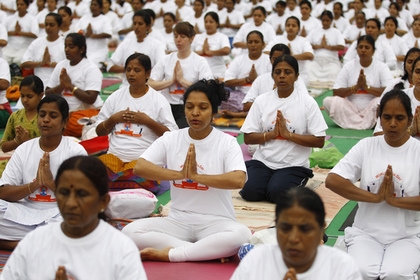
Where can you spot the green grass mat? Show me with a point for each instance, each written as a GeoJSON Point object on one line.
{"type": "Point", "coordinates": [332, 230]}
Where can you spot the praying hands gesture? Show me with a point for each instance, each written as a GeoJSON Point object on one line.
{"type": "Point", "coordinates": [361, 81]}
{"type": "Point", "coordinates": [61, 273]}
{"type": "Point", "coordinates": [44, 177]}
{"type": "Point", "coordinates": [46, 59]}
{"type": "Point", "coordinates": [280, 129]}
{"type": "Point", "coordinates": [386, 190]}
{"type": "Point", "coordinates": [189, 170]}
{"type": "Point", "coordinates": [415, 125]}
{"type": "Point", "coordinates": [290, 274]}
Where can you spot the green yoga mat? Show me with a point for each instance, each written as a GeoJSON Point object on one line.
{"type": "Point", "coordinates": [343, 217]}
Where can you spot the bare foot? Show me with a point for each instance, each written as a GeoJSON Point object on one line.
{"type": "Point", "coordinates": [224, 260]}
{"type": "Point", "coordinates": [152, 254]}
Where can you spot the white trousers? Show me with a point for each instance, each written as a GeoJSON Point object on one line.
{"type": "Point", "coordinates": [198, 242]}
{"type": "Point", "coordinates": [397, 260]}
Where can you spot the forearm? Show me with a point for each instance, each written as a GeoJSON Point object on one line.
{"type": "Point", "coordinates": [407, 202]}
{"type": "Point", "coordinates": [16, 193]}
{"type": "Point", "coordinates": [229, 181]}
{"type": "Point", "coordinates": [304, 56]}
{"type": "Point", "coordinates": [88, 96]}
{"type": "Point", "coordinates": [105, 127]}
{"type": "Point", "coordinates": [125, 31]}
{"type": "Point", "coordinates": [159, 85]}
{"type": "Point", "coordinates": [237, 82]}
{"type": "Point", "coordinates": [376, 91]}
{"type": "Point", "coordinates": [32, 64]}
{"type": "Point", "coordinates": [151, 171]}
{"type": "Point", "coordinates": [100, 36]}
{"type": "Point", "coordinates": [158, 128]}
{"type": "Point", "coordinates": [4, 84]}
{"type": "Point", "coordinates": [335, 48]}
{"type": "Point", "coordinates": [241, 45]}
{"type": "Point", "coordinates": [116, 69]}
{"type": "Point", "coordinates": [54, 90]}
{"type": "Point", "coordinates": [10, 145]}
{"type": "Point", "coordinates": [303, 140]}
{"type": "Point", "coordinates": [220, 52]}
{"type": "Point", "coordinates": [3, 43]}
{"type": "Point", "coordinates": [344, 92]}
{"type": "Point", "coordinates": [347, 189]}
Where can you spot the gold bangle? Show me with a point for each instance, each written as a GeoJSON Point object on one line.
{"type": "Point", "coordinates": [264, 137]}
{"type": "Point", "coordinates": [74, 89]}
{"type": "Point", "coordinates": [14, 139]}
{"type": "Point", "coordinates": [290, 136]}
{"type": "Point", "coordinates": [29, 189]}
{"type": "Point", "coordinates": [103, 124]}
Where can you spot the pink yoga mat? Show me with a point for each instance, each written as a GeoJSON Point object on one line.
{"type": "Point", "coordinates": [209, 270]}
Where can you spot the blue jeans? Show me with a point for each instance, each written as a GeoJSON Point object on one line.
{"type": "Point", "coordinates": [267, 184]}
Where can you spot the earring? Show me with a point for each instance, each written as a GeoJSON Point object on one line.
{"type": "Point", "coordinates": [102, 210]}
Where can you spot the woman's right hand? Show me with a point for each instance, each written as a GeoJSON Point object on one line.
{"type": "Point", "coordinates": [190, 164]}
{"type": "Point", "coordinates": [65, 80]}
{"type": "Point", "coordinates": [253, 73]}
{"type": "Point", "coordinates": [415, 125]}
{"type": "Point", "coordinates": [387, 186]}
{"type": "Point", "coordinates": [280, 128]}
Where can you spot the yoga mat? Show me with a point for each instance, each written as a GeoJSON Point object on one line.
{"type": "Point", "coordinates": [333, 230]}
{"type": "Point", "coordinates": [208, 270]}
{"type": "Point", "coordinates": [4, 256]}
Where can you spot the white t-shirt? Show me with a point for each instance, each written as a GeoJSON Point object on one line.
{"type": "Point", "coordinates": [265, 83]}
{"type": "Point", "coordinates": [4, 75]}
{"type": "Point", "coordinates": [151, 47]}
{"type": "Point", "coordinates": [398, 45]}
{"type": "Point", "coordinates": [380, 14]}
{"type": "Point", "coordinates": [275, 20]}
{"type": "Point", "coordinates": [298, 46]}
{"type": "Point", "coordinates": [157, 6]}
{"type": "Point", "coordinates": [185, 12]}
{"type": "Point", "coordinates": [235, 17]}
{"type": "Point", "coordinates": [3, 35]}
{"type": "Point", "coordinates": [240, 67]}
{"type": "Point", "coordinates": [22, 169]}
{"type": "Point", "coordinates": [105, 253]}
{"type": "Point", "coordinates": [27, 23]}
{"type": "Point", "coordinates": [410, 39]}
{"type": "Point", "coordinates": [310, 25]}
{"type": "Point", "coordinates": [197, 21]}
{"type": "Point", "coordinates": [352, 32]}
{"type": "Point", "coordinates": [167, 39]}
{"type": "Point", "coordinates": [383, 53]}
{"type": "Point", "coordinates": [97, 49]}
{"type": "Point", "coordinates": [218, 153]}
{"type": "Point", "coordinates": [368, 161]}
{"type": "Point", "coordinates": [377, 75]}
{"type": "Point", "coordinates": [128, 140]}
{"type": "Point", "coordinates": [35, 53]}
{"type": "Point", "coordinates": [265, 28]}
{"type": "Point", "coordinates": [194, 68]}
{"type": "Point", "coordinates": [333, 37]}
{"type": "Point", "coordinates": [215, 41]}
{"type": "Point", "coordinates": [302, 115]}
{"type": "Point", "coordinates": [85, 75]}
{"type": "Point", "coordinates": [266, 262]}
{"type": "Point", "coordinates": [341, 24]}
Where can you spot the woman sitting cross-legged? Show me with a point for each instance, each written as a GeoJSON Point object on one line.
{"type": "Point", "coordinates": [203, 165]}
{"type": "Point", "coordinates": [357, 88]}
{"type": "Point", "coordinates": [286, 124]}
{"type": "Point", "coordinates": [384, 238]}
{"type": "Point", "coordinates": [134, 116]}
{"type": "Point", "coordinates": [27, 185]}
{"type": "Point", "coordinates": [83, 245]}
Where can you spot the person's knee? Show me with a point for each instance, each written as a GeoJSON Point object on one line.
{"type": "Point", "coordinates": [369, 271]}
{"type": "Point", "coordinates": [327, 103]}
{"type": "Point", "coordinates": [251, 193]}
{"type": "Point", "coordinates": [396, 272]}
{"type": "Point", "coordinates": [274, 192]}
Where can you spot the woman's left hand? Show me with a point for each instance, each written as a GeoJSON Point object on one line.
{"type": "Point", "coordinates": [136, 117]}
{"type": "Point", "coordinates": [22, 134]}
{"type": "Point", "coordinates": [179, 74]}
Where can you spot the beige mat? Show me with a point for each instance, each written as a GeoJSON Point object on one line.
{"type": "Point", "coordinates": [261, 215]}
